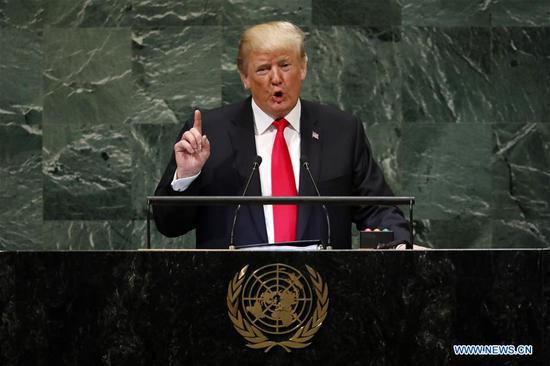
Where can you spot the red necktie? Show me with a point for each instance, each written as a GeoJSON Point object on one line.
{"type": "Point", "coordinates": [283, 184]}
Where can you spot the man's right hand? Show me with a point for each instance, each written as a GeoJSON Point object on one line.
{"type": "Point", "coordinates": [192, 150]}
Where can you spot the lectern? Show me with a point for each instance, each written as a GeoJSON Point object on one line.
{"type": "Point", "coordinates": [340, 307]}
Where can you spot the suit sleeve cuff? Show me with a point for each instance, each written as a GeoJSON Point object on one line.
{"type": "Point", "coordinates": [182, 184]}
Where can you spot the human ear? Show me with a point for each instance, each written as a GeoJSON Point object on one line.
{"type": "Point", "coordinates": [244, 79]}
{"type": "Point", "coordinates": [303, 69]}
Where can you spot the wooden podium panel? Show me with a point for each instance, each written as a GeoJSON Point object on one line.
{"type": "Point", "coordinates": [171, 307]}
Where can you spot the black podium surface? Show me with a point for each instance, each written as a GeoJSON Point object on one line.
{"type": "Point", "coordinates": [171, 307]}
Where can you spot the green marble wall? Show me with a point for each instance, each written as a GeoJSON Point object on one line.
{"type": "Point", "coordinates": [454, 94]}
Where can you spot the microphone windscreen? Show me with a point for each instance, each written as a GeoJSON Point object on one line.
{"type": "Point", "coordinates": [258, 160]}
{"type": "Point", "coordinates": [304, 159]}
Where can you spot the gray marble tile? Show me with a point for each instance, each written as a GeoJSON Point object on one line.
{"type": "Point", "coordinates": [447, 167]}
{"type": "Point", "coordinates": [521, 171]}
{"type": "Point", "coordinates": [87, 172]}
{"type": "Point", "coordinates": [22, 14]}
{"type": "Point", "coordinates": [178, 67]}
{"type": "Point", "coordinates": [467, 232]}
{"type": "Point", "coordinates": [356, 69]}
{"type": "Point", "coordinates": [20, 186]}
{"type": "Point", "coordinates": [356, 12]}
{"type": "Point", "coordinates": [176, 13]}
{"type": "Point", "coordinates": [151, 110]}
{"type": "Point", "coordinates": [446, 74]}
{"type": "Point", "coordinates": [385, 139]}
{"type": "Point", "coordinates": [159, 241]}
{"type": "Point", "coordinates": [21, 76]}
{"type": "Point", "coordinates": [521, 234]}
{"type": "Point", "coordinates": [530, 13]}
{"type": "Point", "coordinates": [250, 12]}
{"type": "Point", "coordinates": [152, 146]}
{"type": "Point", "coordinates": [20, 140]}
{"type": "Point", "coordinates": [108, 235]}
{"type": "Point", "coordinates": [84, 13]}
{"type": "Point", "coordinates": [446, 13]}
{"type": "Point", "coordinates": [87, 76]}
{"type": "Point", "coordinates": [232, 87]}
{"type": "Point", "coordinates": [520, 74]}
{"type": "Point", "coordinates": [89, 235]}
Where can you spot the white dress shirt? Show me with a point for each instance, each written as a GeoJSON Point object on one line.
{"type": "Point", "coordinates": [264, 134]}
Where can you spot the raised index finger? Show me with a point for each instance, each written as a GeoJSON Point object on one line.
{"type": "Point", "coordinates": [198, 121]}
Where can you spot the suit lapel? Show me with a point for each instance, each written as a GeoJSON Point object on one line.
{"type": "Point", "coordinates": [244, 150]}
{"type": "Point", "coordinates": [310, 146]}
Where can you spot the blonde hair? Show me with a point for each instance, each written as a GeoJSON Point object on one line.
{"type": "Point", "coordinates": [269, 37]}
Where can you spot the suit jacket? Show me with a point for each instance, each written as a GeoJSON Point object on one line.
{"type": "Point", "coordinates": [341, 163]}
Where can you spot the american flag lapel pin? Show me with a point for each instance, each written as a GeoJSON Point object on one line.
{"type": "Point", "coordinates": [315, 135]}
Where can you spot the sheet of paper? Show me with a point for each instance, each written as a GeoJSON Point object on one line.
{"type": "Point", "coordinates": [283, 248]}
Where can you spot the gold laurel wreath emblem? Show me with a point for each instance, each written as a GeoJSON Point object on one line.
{"type": "Point", "coordinates": [257, 340]}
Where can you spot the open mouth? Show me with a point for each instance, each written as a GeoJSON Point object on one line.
{"type": "Point", "coordinates": [278, 94]}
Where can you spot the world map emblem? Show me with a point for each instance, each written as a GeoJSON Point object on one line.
{"type": "Point", "coordinates": [277, 305]}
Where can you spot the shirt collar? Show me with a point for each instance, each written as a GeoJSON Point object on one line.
{"type": "Point", "coordinates": [262, 121]}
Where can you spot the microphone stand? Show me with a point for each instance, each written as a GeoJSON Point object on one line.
{"type": "Point", "coordinates": [255, 165]}
{"type": "Point", "coordinates": [305, 163]}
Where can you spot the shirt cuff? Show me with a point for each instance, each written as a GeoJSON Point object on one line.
{"type": "Point", "coordinates": [182, 184]}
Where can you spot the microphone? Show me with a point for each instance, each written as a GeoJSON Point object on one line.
{"type": "Point", "coordinates": [305, 164]}
{"type": "Point", "coordinates": [255, 165]}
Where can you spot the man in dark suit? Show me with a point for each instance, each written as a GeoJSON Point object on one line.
{"type": "Point", "coordinates": [215, 153]}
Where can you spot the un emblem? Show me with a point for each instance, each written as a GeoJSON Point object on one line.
{"type": "Point", "coordinates": [276, 305]}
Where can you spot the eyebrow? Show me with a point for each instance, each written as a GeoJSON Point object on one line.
{"type": "Point", "coordinates": [268, 64]}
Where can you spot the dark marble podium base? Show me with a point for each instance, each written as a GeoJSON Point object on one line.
{"type": "Point", "coordinates": [169, 308]}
